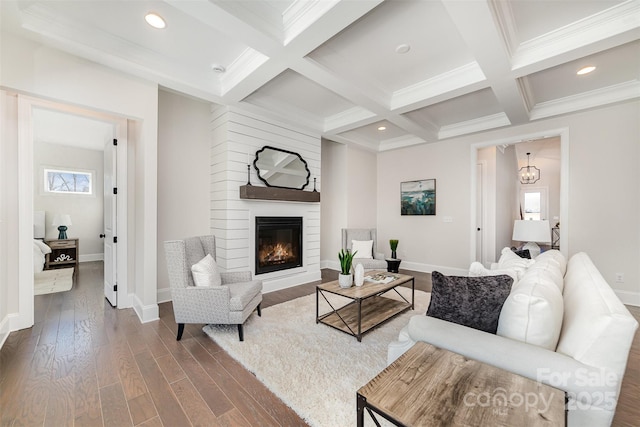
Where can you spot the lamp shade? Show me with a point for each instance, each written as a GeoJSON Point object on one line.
{"type": "Point", "coordinates": [532, 231]}
{"type": "Point", "coordinates": [61, 219]}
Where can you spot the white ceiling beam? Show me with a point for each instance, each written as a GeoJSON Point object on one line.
{"type": "Point", "coordinates": [475, 22]}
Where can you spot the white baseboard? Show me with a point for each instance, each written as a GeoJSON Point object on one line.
{"type": "Point", "coordinates": [146, 313]}
{"type": "Point", "coordinates": [91, 257]}
{"type": "Point", "coordinates": [164, 295]}
{"type": "Point", "coordinates": [628, 297]}
{"type": "Point", "coordinates": [413, 266]}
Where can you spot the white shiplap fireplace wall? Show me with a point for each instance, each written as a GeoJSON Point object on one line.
{"type": "Point", "coordinates": [235, 137]}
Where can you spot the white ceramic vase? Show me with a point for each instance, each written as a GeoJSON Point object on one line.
{"type": "Point", "coordinates": [358, 278]}
{"type": "Point", "coordinates": [345, 280]}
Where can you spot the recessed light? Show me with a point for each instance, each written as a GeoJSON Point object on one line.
{"type": "Point", "coordinates": [218, 69]}
{"type": "Point", "coordinates": [381, 128]}
{"type": "Point", "coordinates": [585, 70]}
{"type": "Point", "coordinates": [155, 20]}
{"type": "Point", "coordinates": [403, 48]}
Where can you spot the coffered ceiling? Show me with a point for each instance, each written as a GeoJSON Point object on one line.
{"type": "Point", "coordinates": [426, 70]}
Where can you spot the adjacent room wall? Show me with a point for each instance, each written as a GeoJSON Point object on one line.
{"type": "Point", "coordinates": [86, 211]}
{"type": "Point", "coordinates": [184, 174]}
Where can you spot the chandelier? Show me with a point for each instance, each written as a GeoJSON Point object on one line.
{"type": "Point", "coordinates": [529, 174]}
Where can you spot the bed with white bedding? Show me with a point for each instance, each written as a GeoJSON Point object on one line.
{"type": "Point", "coordinates": [40, 249]}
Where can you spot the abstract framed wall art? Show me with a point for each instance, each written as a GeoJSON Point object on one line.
{"type": "Point", "coordinates": [418, 197]}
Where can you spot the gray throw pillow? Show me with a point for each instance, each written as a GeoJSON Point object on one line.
{"type": "Point", "coordinates": [470, 301]}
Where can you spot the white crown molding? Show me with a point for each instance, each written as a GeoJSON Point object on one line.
{"type": "Point", "coordinates": [349, 119]}
{"type": "Point", "coordinates": [301, 14]}
{"type": "Point", "coordinates": [527, 93]}
{"type": "Point", "coordinates": [245, 64]}
{"type": "Point", "coordinates": [595, 98]}
{"type": "Point", "coordinates": [466, 76]}
{"type": "Point", "coordinates": [359, 141]}
{"type": "Point", "coordinates": [600, 26]}
{"type": "Point", "coordinates": [503, 13]}
{"type": "Point", "coordinates": [476, 125]}
{"type": "Point", "coordinates": [401, 142]}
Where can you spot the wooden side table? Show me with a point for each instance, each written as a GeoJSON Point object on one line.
{"type": "Point", "coordinates": [64, 253]}
{"type": "Point", "coordinates": [428, 386]}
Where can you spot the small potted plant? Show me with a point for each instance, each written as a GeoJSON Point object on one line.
{"type": "Point", "coordinates": [394, 245]}
{"type": "Point", "coordinates": [345, 278]}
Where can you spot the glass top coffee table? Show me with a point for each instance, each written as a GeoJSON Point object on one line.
{"type": "Point", "coordinates": [368, 306]}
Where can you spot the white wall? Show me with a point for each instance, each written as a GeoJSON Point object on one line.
{"type": "Point", "coordinates": [507, 197]}
{"type": "Point", "coordinates": [8, 212]}
{"type": "Point", "coordinates": [427, 242]}
{"type": "Point", "coordinates": [487, 158]}
{"type": "Point", "coordinates": [604, 194]}
{"type": "Point", "coordinates": [184, 174]}
{"type": "Point", "coordinates": [333, 201]}
{"type": "Point", "coordinates": [86, 211]}
{"type": "Point", "coordinates": [44, 72]}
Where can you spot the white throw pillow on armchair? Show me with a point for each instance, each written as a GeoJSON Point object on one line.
{"type": "Point", "coordinates": [205, 272]}
{"type": "Point", "coordinates": [364, 248]}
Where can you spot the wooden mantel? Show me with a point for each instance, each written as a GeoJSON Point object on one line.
{"type": "Point", "coordinates": [272, 193]}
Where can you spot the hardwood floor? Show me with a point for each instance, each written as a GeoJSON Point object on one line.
{"type": "Point", "coordinates": [84, 363]}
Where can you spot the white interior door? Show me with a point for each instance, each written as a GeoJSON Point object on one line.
{"type": "Point", "coordinates": [480, 213]}
{"type": "Point", "coordinates": [110, 206]}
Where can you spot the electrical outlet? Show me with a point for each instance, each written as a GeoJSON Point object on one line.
{"type": "Point", "coordinates": [447, 219]}
{"type": "Point", "coordinates": [619, 277]}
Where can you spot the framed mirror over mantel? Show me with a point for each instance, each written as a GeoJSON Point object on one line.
{"type": "Point", "coordinates": [281, 168]}
{"type": "Point", "coordinates": [285, 174]}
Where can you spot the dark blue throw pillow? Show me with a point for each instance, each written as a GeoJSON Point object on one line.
{"type": "Point", "coordinates": [470, 301]}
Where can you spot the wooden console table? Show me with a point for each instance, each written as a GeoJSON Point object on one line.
{"type": "Point", "coordinates": [429, 386]}
{"type": "Point", "coordinates": [62, 248]}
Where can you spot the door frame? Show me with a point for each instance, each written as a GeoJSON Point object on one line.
{"type": "Point", "coordinates": [25, 316]}
{"type": "Point", "coordinates": [563, 133]}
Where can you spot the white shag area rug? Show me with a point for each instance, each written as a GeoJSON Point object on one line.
{"type": "Point", "coordinates": [314, 368]}
{"type": "Point", "coordinates": [52, 281]}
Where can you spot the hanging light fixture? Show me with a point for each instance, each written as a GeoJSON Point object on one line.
{"type": "Point", "coordinates": [529, 174]}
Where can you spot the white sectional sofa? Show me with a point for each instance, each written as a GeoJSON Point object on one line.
{"type": "Point", "coordinates": [568, 330]}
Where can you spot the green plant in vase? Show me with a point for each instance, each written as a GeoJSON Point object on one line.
{"type": "Point", "coordinates": [346, 260]}
{"type": "Point", "coordinates": [394, 245]}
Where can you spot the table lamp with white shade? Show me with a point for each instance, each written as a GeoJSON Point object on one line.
{"type": "Point", "coordinates": [532, 232]}
{"type": "Point", "coordinates": [62, 221]}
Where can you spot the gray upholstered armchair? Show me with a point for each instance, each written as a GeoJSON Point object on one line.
{"type": "Point", "coordinates": [363, 234]}
{"type": "Point", "coordinates": [231, 303]}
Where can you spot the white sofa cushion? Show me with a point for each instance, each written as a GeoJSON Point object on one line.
{"type": "Point", "coordinates": [556, 255]}
{"type": "Point", "coordinates": [533, 311]}
{"type": "Point", "coordinates": [550, 269]}
{"type": "Point", "coordinates": [598, 329]}
{"type": "Point", "coordinates": [205, 272]}
{"type": "Point", "coordinates": [510, 261]}
{"type": "Point", "coordinates": [362, 248]}
{"type": "Point", "coordinates": [478, 270]}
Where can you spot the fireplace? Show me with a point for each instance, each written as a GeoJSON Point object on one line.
{"type": "Point", "coordinates": [278, 243]}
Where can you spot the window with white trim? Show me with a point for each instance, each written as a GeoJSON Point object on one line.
{"type": "Point", "coordinates": [65, 181]}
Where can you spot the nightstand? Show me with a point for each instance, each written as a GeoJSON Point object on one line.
{"type": "Point", "coordinates": [64, 253]}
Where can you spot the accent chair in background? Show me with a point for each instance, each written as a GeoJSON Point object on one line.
{"type": "Point", "coordinates": [229, 298]}
{"type": "Point", "coordinates": [370, 261]}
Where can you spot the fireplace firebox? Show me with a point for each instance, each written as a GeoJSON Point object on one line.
{"type": "Point", "coordinates": [278, 243]}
